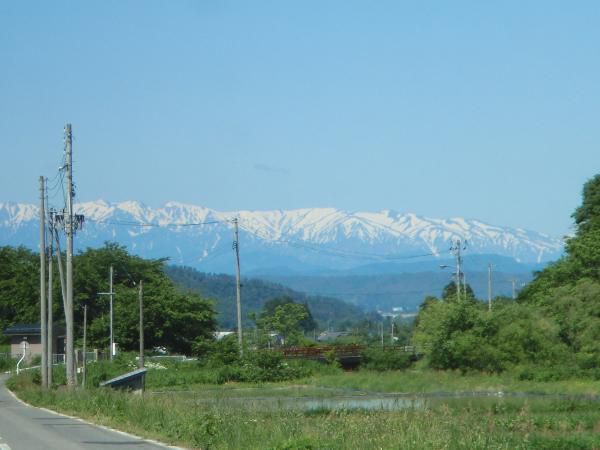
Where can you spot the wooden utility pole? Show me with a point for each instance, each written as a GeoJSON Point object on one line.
{"type": "Point", "coordinates": [50, 302]}
{"type": "Point", "coordinates": [43, 316]}
{"type": "Point", "coordinates": [69, 231]}
{"type": "Point", "coordinates": [141, 299]}
{"type": "Point", "coordinates": [236, 247]}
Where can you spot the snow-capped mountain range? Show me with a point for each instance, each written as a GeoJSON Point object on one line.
{"type": "Point", "coordinates": [311, 239]}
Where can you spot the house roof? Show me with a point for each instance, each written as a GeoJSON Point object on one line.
{"type": "Point", "coordinates": [30, 329]}
{"type": "Point", "coordinates": [23, 328]}
{"type": "Point", "coordinates": [125, 378]}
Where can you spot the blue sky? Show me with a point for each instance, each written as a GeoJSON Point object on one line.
{"type": "Point", "coordinates": [486, 110]}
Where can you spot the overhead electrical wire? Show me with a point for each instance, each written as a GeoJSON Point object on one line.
{"type": "Point", "coordinates": [157, 225]}
{"type": "Point", "coordinates": [336, 252]}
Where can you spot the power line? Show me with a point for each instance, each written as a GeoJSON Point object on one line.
{"type": "Point", "coordinates": [157, 225]}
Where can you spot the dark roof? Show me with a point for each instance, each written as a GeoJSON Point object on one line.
{"type": "Point", "coordinates": [121, 379]}
{"type": "Point", "coordinates": [23, 328]}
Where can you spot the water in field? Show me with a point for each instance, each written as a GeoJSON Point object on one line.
{"type": "Point", "coordinates": [378, 403]}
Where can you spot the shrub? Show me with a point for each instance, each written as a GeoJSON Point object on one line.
{"type": "Point", "coordinates": [378, 359]}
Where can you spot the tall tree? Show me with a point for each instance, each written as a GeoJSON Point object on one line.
{"type": "Point", "coordinates": [587, 215]}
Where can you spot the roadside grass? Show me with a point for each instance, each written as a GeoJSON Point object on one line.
{"type": "Point", "coordinates": [476, 423]}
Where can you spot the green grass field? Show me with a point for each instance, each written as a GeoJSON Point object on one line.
{"type": "Point", "coordinates": [276, 416]}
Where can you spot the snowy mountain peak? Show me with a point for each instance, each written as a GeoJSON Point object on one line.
{"type": "Point", "coordinates": [322, 236]}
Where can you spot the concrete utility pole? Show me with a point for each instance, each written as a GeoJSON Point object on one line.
{"type": "Point", "coordinates": [514, 289]}
{"type": "Point", "coordinates": [236, 247]}
{"type": "Point", "coordinates": [50, 302]}
{"type": "Point", "coordinates": [43, 317]}
{"type": "Point", "coordinates": [141, 299]}
{"type": "Point", "coordinates": [69, 231]}
{"type": "Point", "coordinates": [84, 345]}
{"type": "Point", "coordinates": [111, 293]}
{"type": "Point", "coordinates": [456, 249]}
{"type": "Point", "coordinates": [489, 287]}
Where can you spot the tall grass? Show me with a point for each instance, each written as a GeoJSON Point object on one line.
{"type": "Point", "coordinates": [421, 381]}
{"type": "Point", "coordinates": [479, 423]}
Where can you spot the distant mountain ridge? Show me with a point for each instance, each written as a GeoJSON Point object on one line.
{"type": "Point", "coordinates": [302, 240]}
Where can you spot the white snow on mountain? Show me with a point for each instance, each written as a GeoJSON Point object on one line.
{"type": "Point", "coordinates": [176, 230]}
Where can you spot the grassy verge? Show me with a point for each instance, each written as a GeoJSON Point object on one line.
{"type": "Point", "coordinates": [211, 420]}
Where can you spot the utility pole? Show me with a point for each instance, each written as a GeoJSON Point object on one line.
{"type": "Point", "coordinates": [61, 273]}
{"type": "Point", "coordinates": [43, 317]}
{"type": "Point", "coordinates": [69, 231]}
{"type": "Point", "coordinates": [392, 335]}
{"type": "Point", "coordinates": [456, 249]}
{"type": "Point", "coordinates": [110, 293]}
{"type": "Point", "coordinates": [141, 299]}
{"type": "Point", "coordinates": [489, 287]}
{"type": "Point", "coordinates": [50, 301]}
{"type": "Point", "coordinates": [84, 346]}
{"type": "Point", "coordinates": [236, 247]}
{"type": "Point", "coordinates": [381, 334]}
{"type": "Point", "coordinates": [112, 340]}
{"type": "Point", "coordinates": [514, 289]}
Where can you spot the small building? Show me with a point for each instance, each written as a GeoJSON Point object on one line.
{"type": "Point", "coordinates": [30, 337]}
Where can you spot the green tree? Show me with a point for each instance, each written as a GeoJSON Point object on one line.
{"type": "Point", "coordinates": [19, 287]}
{"type": "Point", "coordinates": [449, 292]}
{"type": "Point", "coordinates": [587, 215]}
{"type": "Point", "coordinates": [286, 318]}
{"type": "Point", "coordinates": [172, 319]}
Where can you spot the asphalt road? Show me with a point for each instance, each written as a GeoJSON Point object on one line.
{"type": "Point", "coordinates": [27, 428]}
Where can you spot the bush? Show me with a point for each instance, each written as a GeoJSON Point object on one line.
{"type": "Point", "coordinates": [378, 359]}
{"type": "Point", "coordinates": [262, 366]}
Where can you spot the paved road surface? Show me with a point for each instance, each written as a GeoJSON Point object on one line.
{"type": "Point", "coordinates": [26, 428]}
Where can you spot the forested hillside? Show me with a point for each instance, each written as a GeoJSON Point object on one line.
{"type": "Point", "coordinates": [255, 293]}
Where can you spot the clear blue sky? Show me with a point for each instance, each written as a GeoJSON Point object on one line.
{"type": "Point", "coordinates": [485, 110]}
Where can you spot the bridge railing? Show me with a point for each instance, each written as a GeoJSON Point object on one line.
{"type": "Point", "coordinates": [349, 350]}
